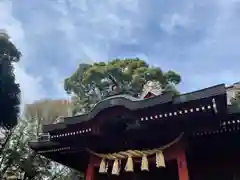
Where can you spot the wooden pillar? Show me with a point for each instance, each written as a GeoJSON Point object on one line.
{"type": "Point", "coordinates": [90, 170]}
{"type": "Point", "coordinates": [182, 165]}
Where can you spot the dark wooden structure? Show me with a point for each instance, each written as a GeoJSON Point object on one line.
{"type": "Point", "coordinates": [209, 131]}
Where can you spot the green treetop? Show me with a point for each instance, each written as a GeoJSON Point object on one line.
{"type": "Point", "coordinates": [94, 82]}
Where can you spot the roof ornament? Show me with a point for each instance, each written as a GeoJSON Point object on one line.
{"type": "Point", "coordinates": [237, 83]}
{"type": "Point", "coordinates": [152, 87]}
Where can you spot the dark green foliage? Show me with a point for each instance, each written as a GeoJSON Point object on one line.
{"type": "Point", "coordinates": [17, 154]}
{"type": "Point", "coordinates": [9, 90]}
{"type": "Point", "coordinates": [92, 83]}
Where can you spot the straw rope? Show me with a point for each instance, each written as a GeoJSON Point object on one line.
{"type": "Point", "coordinates": [134, 153]}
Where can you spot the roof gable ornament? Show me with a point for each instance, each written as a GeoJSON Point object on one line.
{"type": "Point", "coordinates": [150, 89]}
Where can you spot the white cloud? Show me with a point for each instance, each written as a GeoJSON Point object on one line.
{"type": "Point", "coordinates": [58, 85]}
{"type": "Point", "coordinates": [31, 88]}
{"type": "Point", "coordinates": [199, 81]}
{"type": "Point", "coordinates": [91, 27]}
{"type": "Point", "coordinates": [191, 37]}
{"type": "Point", "coordinates": [170, 22]}
{"type": "Point", "coordinates": [212, 56]}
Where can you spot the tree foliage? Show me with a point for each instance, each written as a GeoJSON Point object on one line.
{"type": "Point", "coordinates": [9, 89]}
{"type": "Point", "coordinates": [94, 82]}
{"type": "Point", "coordinates": [48, 110]}
{"type": "Point", "coordinates": [17, 156]}
{"type": "Point", "coordinates": [19, 159]}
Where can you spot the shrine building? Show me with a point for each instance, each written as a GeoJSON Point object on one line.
{"type": "Point", "coordinates": [189, 136]}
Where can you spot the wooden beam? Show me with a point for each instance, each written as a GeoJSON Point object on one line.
{"type": "Point", "coordinates": [90, 173]}
{"type": "Point", "coordinates": [182, 164]}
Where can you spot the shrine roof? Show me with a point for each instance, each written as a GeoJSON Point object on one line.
{"type": "Point", "coordinates": [133, 104]}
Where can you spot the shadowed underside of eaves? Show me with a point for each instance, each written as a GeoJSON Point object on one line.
{"type": "Point", "coordinates": [132, 104]}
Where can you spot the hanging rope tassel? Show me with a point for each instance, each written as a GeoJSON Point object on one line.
{"type": "Point", "coordinates": [129, 164]}
{"type": "Point", "coordinates": [160, 162]}
{"type": "Point", "coordinates": [102, 167]}
{"type": "Point", "coordinates": [144, 165]}
{"type": "Point", "coordinates": [119, 167]}
{"type": "Point", "coordinates": [106, 169]}
{"type": "Point", "coordinates": [115, 168]}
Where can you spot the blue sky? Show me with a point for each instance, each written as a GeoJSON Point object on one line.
{"type": "Point", "coordinates": [198, 39]}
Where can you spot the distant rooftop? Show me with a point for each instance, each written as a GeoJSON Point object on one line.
{"type": "Point", "coordinates": [234, 85]}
